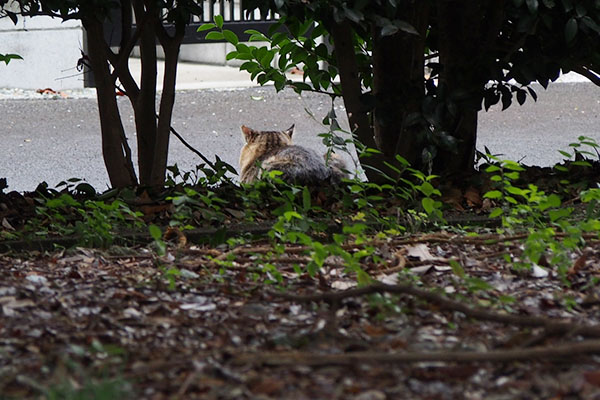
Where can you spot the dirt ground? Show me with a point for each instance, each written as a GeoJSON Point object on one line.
{"type": "Point", "coordinates": [210, 323]}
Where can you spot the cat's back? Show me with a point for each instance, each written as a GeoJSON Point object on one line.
{"type": "Point", "coordinates": [298, 164]}
{"type": "Point", "coordinates": [273, 150]}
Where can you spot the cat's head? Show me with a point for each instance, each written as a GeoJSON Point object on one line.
{"type": "Point", "coordinates": [268, 139]}
{"type": "Point", "coordinates": [259, 143]}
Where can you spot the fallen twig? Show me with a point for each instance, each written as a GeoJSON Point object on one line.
{"type": "Point", "coordinates": [565, 351]}
{"type": "Point", "coordinates": [551, 326]}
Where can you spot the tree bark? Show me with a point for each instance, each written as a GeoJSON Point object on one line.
{"type": "Point", "coordinates": [463, 37]}
{"type": "Point", "coordinates": [398, 75]}
{"type": "Point", "coordinates": [356, 110]}
{"type": "Point", "coordinates": [171, 48]}
{"type": "Point", "coordinates": [144, 104]}
{"type": "Point", "coordinates": [119, 165]}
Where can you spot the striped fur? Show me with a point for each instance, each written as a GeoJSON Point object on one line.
{"type": "Point", "coordinates": [273, 150]}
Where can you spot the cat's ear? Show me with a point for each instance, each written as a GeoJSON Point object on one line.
{"type": "Point", "coordinates": [290, 131]}
{"type": "Point", "coordinates": [249, 134]}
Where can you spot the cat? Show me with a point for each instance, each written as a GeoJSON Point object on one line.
{"type": "Point", "coordinates": [274, 150]}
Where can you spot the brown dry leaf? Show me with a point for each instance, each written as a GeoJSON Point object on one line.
{"type": "Point", "coordinates": [453, 197]}
{"type": "Point", "coordinates": [7, 225]}
{"type": "Point", "coordinates": [374, 330]}
{"type": "Point", "coordinates": [175, 233]}
{"type": "Point", "coordinates": [398, 260]}
{"type": "Point", "coordinates": [267, 386]}
{"type": "Point", "coordinates": [592, 377]}
{"type": "Point", "coordinates": [46, 91]}
{"type": "Point", "coordinates": [472, 197]}
{"type": "Point", "coordinates": [577, 265]}
{"type": "Point", "coordinates": [154, 209]}
{"type": "Point", "coordinates": [486, 205]}
{"type": "Point", "coordinates": [421, 252]}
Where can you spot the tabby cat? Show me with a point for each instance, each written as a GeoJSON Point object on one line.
{"type": "Point", "coordinates": [273, 150]}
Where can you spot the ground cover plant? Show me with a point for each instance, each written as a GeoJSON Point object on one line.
{"type": "Point", "coordinates": [408, 286]}
{"type": "Point", "coordinates": [419, 288]}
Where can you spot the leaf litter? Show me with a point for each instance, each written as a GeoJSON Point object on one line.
{"type": "Point", "coordinates": [205, 323]}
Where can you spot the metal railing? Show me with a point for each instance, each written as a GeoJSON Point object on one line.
{"type": "Point", "coordinates": [234, 17]}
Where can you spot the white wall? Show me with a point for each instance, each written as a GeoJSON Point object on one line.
{"type": "Point", "coordinates": [50, 50]}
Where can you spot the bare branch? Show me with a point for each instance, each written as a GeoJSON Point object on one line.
{"type": "Point", "coordinates": [588, 73]}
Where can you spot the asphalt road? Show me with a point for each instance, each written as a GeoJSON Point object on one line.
{"type": "Point", "coordinates": [53, 140]}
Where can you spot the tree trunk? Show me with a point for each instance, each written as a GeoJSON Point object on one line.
{"type": "Point", "coordinates": [144, 104]}
{"type": "Point", "coordinates": [117, 158]}
{"type": "Point", "coordinates": [460, 31]}
{"type": "Point", "coordinates": [356, 110]}
{"type": "Point", "coordinates": [398, 74]}
{"type": "Point", "coordinates": [171, 48]}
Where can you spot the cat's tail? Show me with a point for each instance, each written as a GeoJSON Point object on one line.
{"type": "Point", "coordinates": [337, 167]}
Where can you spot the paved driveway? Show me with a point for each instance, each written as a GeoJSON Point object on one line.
{"type": "Point", "coordinates": [52, 140]}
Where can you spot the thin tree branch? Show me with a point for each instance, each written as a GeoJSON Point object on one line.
{"type": "Point", "coordinates": [189, 146]}
{"type": "Point", "coordinates": [584, 71]}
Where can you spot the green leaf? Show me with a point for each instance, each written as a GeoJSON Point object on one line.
{"type": "Point", "coordinates": [388, 30]}
{"type": "Point", "coordinates": [457, 269]}
{"type": "Point", "coordinates": [512, 175]}
{"type": "Point", "coordinates": [560, 213]}
{"type": "Point", "coordinates": [513, 166]}
{"type": "Point", "coordinates": [230, 37]}
{"type": "Point", "coordinates": [353, 15]}
{"type": "Point", "coordinates": [493, 194]}
{"type": "Point", "coordinates": [551, 201]}
{"type": "Point", "coordinates": [582, 163]}
{"type": "Point", "coordinates": [516, 191]}
{"type": "Point", "coordinates": [205, 27]}
{"type": "Point", "coordinates": [532, 5]}
{"type": "Point", "coordinates": [155, 232]}
{"type": "Point", "coordinates": [289, 215]}
{"type": "Point", "coordinates": [496, 212]}
{"type": "Point", "coordinates": [570, 30]}
{"type": "Point", "coordinates": [219, 21]}
{"type": "Point", "coordinates": [565, 154]}
{"type": "Point", "coordinates": [306, 198]}
{"type": "Point", "coordinates": [406, 27]}
{"type": "Point", "coordinates": [232, 55]}
{"type": "Point", "coordinates": [428, 204]}
{"type": "Point", "coordinates": [214, 35]}
{"type": "Point", "coordinates": [426, 188]}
